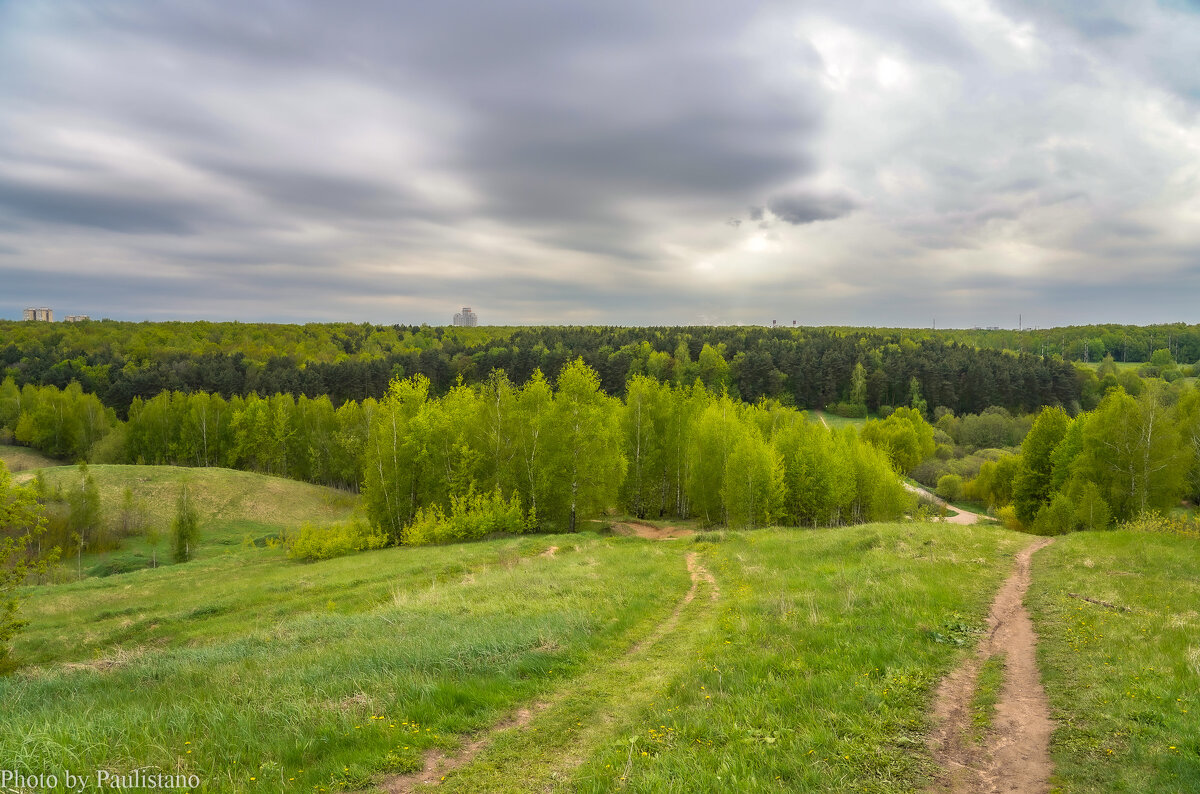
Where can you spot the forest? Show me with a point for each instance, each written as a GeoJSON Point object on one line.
{"type": "Point", "coordinates": [805, 367]}
{"type": "Point", "coordinates": [710, 431]}
{"type": "Point", "coordinates": [564, 451]}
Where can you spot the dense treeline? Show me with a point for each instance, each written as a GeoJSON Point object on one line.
{"type": "Point", "coordinates": [63, 423]}
{"type": "Point", "coordinates": [807, 367]}
{"type": "Point", "coordinates": [566, 453]}
{"type": "Point", "coordinates": [1087, 343]}
{"type": "Point", "coordinates": [298, 438]}
{"type": "Point", "coordinates": [1130, 455]}
{"type": "Point", "coordinates": [560, 453]}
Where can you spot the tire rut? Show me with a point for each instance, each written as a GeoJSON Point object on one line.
{"type": "Point", "coordinates": [1016, 757]}
{"type": "Point", "coordinates": [438, 764]}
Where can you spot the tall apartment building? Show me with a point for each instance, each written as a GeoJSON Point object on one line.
{"type": "Point", "coordinates": [466, 318]}
{"type": "Point", "coordinates": [41, 315]}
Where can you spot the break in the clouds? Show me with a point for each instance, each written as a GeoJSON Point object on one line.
{"type": "Point", "coordinates": [618, 162]}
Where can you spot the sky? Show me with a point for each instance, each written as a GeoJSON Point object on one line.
{"type": "Point", "coordinates": [959, 163]}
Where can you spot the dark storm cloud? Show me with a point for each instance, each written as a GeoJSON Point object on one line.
{"type": "Point", "coordinates": [808, 207]}
{"type": "Point", "coordinates": [90, 207]}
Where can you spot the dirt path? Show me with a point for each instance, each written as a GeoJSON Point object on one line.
{"type": "Point", "coordinates": [649, 531]}
{"type": "Point", "coordinates": [1015, 756]}
{"type": "Point", "coordinates": [962, 517]}
{"type": "Point", "coordinates": [438, 764]}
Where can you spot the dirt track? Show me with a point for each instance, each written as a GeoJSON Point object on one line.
{"type": "Point", "coordinates": [962, 517]}
{"type": "Point", "coordinates": [438, 764]}
{"type": "Point", "coordinates": [1015, 756]}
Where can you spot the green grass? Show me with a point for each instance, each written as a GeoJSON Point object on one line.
{"type": "Point", "coordinates": [838, 422]}
{"type": "Point", "coordinates": [1121, 365]}
{"type": "Point", "coordinates": [327, 673]}
{"type": "Point", "coordinates": [813, 671]}
{"type": "Point", "coordinates": [233, 505]}
{"type": "Point", "coordinates": [987, 694]}
{"type": "Point", "coordinates": [1123, 686]}
{"type": "Point", "coordinates": [23, 458]}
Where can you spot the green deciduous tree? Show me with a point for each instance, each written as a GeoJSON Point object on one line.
{"type": "Point", "coordinates": [905, 436]}
{"type": "Point", "coordinates": [753, 485]}
{"type": "Point", "coordinates": [21, 522]}
{"type": "Point", "coordinates": [1032, 485]}
{"type": "Point", "coordinates": [185, 528]}
{"type": "Point", "coordinates": [585, 446]}
{"type": "Point", "coordinates": [83, 515]}
{"type": "Point", "coordinates": [1135, 453]}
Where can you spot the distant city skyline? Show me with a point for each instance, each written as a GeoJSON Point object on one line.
{"type": "Point", "coordinates": [862, 163]}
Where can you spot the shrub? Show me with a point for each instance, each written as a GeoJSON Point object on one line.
{"type": "Point", "coordinates": [1056, 518]}
{"type": "Point", "coordinates": [1154, 521]}
{"type": "Point", "coordinates": [1008, 517]}
{"type": "Point", "coordinates": [929, 471]}
{"type": "Point", "coordinates": [334, 540]}
{"type": "Point", "coordinates": [849, 410]}
{"type": "Point", "coordinates": [472, 516]}
{"type": "Point", "coordinates": [950, 487]}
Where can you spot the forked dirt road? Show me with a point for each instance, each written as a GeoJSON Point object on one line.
{"type": "Point", "coordinates": [1015, 756]}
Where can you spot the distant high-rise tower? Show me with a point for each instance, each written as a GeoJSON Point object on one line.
{"type": "Point", "coordinates": [42, 315]}
{"type": "Point", "coordinates": [466, 318]}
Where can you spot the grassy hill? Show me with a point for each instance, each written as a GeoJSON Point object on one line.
{"type": "Point", "coordinates": [233, 506]}
{"type": "Point", "coordinates": [774, 660]}
{"type": "Point", "coordinates": [765, 661]}
{"type": "Point", "coordinates": [23, 458]}
{"type": "Point", "coordinates": [1122, 670]}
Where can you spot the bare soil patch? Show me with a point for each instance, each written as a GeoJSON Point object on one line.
{"type": "Point", "coordinates": [1016, 754]}
{"type": "Point", "coordinates": [637, 529]}
{"type": "Point", "coordinates": [439, 764]}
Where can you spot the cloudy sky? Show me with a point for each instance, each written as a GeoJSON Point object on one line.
{"type": "Point", "coordinates": [614, 161]}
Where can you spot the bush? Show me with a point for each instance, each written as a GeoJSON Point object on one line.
{"type": "Point", "coordinates": [334, 540]}
{"type": "Point", "coordinates": [950, 487]}
{"type": "Point", "coordinates": [1008, 517]}
{"type": "Point", "coordinates": [1153, 521]}
{"type": "Point", "coordinates": [1056, 518]}
{"type": "Point", "coordinates": [472, 517]}
{"type": "Point", "coordinates": [929, 471]}
{"type": "Point", "coordinates": [849, 410]}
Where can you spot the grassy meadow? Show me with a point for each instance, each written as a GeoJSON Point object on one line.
{"type": "Point", "coordinates": [19, 459]}
{"type": "Point", "coordinates": [806, 663]}
{"type": "Point", "coordinates": [769, 660]}
{"type": "Point", "coordinates": [234, 507]}
{"type": "Point", "coordinates": [1124, 686]}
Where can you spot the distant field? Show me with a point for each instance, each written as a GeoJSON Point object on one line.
{"type": "Point", "coordinates": [1133, 365]}
{"type": "Point", "coordinates": [1124, 685]}
{"type": "Point", "coordinates": [22, 458]}
{"type": "Point", "coordinates": [835, 421]}
{"type": "Point", "coordinates": [765, 661]}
